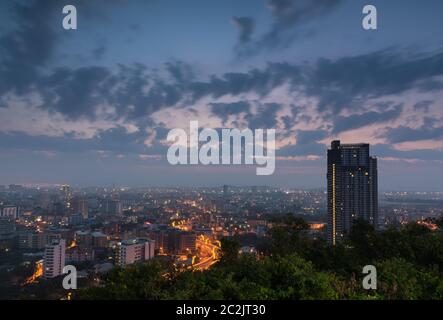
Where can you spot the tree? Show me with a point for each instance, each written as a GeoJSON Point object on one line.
{"type": "Point", "coordinates": [399, 279]}
{"type": "Point", "coordinates": [229, 251]}
{"type": "Point", "coordinates": [285, 235]}
{"type": "Point", "coordinates": [409, 263]}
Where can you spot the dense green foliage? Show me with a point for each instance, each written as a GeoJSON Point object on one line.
{"type": "Point", "coordinates": [292, 265]}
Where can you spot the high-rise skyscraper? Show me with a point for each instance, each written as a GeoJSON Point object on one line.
{"type": "Point", "coordinates": [225, 190]}
{"type": "Point", "coordinates": [54, 258]}
{"type": "Point", "coordinates": [110, 206]}
{"type": "Point", "coordinates": [80, 206]}
{"type": "Point", "coordinates": [352, 188]}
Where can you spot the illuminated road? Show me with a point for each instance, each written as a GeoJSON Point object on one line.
{"type": "Point", "coordinates": [37, 273]}
{"type": "Point", "coordinates": [208, 252]}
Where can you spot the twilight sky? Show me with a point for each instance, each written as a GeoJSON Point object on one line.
{"type": "Point", "coordinates": [93, 106]}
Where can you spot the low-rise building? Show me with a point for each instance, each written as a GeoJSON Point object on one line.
{"type": "Point", "coordinates": [134, 250]}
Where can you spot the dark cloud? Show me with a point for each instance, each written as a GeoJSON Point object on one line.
{"type": "Point", "coordinates": [423, 105]}
{"type": "Point", "coordinates": [133, 101]}
{"type": "Point", "coordinates": [288, 18]}
{"type": "Point", "coordinates": [260, 81]}
{"type": "Point", "coordinates": [76, 93]}
{"type": "Point", "coordinates": [135, 91]}
{"type": "Point", "coordinates": [425, 132]}
{"type": "Point", "coordinates": [265, 117]}
{"type": "Point", "coordinates": [307, 144]}
{"type": "Point", "coordinates": [181, 72]}
{"type": "Point", "coordinates": [343, 82]}
{"type": "Point", "coordinates": [29, 46]}
{"type": "Point", "coordinates": [308, 148]}
{"type": "Point", "coordinates": [291, 13]}
{"type": "Point", "coordinates": [342, 123]}
{"type": "Point", "coordinates": [386, 151]}
{"type": "Point", "coordinates": [246, 26]}
{"type": "Point", "coordinates": [224, 110]}
{"type": "Point", "coordinates": [305, 137]}
{"type": "Point", "coordinates": [115, 141]}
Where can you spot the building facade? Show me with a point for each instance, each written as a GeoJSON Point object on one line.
{"type": "Point", "coordinates": [7, 228]}
{"type": "Point", "coordinates": [134, 250]}
{"type": "Point", "coordinates": [80, 206]}
{"type": "Point", "coordinates": [9, 212]}
{"type": "Point", "coordinates": [36, 240]}
{"type": "Point", "coordinates": [352, 188]}
{"type": "Point", "coordinates": [54, 259]}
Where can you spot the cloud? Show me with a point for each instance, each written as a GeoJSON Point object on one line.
{"type": "Point", "coordinates": [150, 156]}
{"type": "Point", "coordinates": [339, 83]}
{"type": "Point", "coordinates": [291, 13]}
{"type": "Point", "coordinates": [423, 105]}
{"type": "Point", "coordinates": [430, 144]}
{"type": "Point", "coordinates": [75, 93]}
{"type": "Point", "coordinates": [29, 46]}
{"type": "Point", "coordinates": [300, 158]}
{"type": "Point", "coordinates": [299, 150]}
{"type": "Point", "coordinates": [181, 72]}
{"type": "Point", "coordinates": [246, 26]}
{"type": "Point", "coordinates": [264, 117]}
{"type": "Point", "coordinates": [135, 92]}
{"type": "Point", "coordinates": [307, 103]}
{"type": "Point", "coordinates": [425, 132]}
{"type": "Point", "coordinates": [289, 16]}
{"type": "Point", "coordinates": [308, 136]}
{"type": "Point", "coordinates": [342, 123]}
{"type": "Point", "coordinates": [114, 141]}
{"type": "Point", "coordinates": [407, 160]}
{"type": "Point", "coordinates": [224, 110]}
{"type": "Point", "coordinates": [393, 152]}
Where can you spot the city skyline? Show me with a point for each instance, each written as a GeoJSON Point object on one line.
{"type": "Point", "coordinates": [93, 106]}
{"type": "Point", "coordinates": [221, 157]}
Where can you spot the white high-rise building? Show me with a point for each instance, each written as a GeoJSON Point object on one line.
{"type": "Point", "coordinates": [54, 258]}
{"type": "Point", "coordinates": [134, 250]}
{"type": "Point", "coordinates": [9, 212]}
